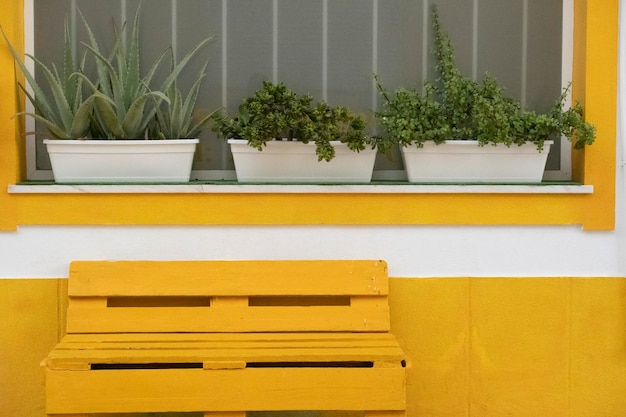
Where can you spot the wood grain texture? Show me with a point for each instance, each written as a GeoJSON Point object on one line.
{"type": "Point", "coordinates": [225, 337]}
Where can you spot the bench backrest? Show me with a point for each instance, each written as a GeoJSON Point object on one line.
{"type": "Point", "coordinates": [227, 296]}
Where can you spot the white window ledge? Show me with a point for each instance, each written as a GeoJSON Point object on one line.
{"type": "Point", "coordinates": [234, 188]}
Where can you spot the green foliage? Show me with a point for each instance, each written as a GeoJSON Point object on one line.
{"type": "Point", "coordinates": [458, 108]}
{"type": "Point", "coordinates": [275, 112]}
{"type": "Point", "coordinates": [124, 104]}
{"type": "Point", "coordinates": [121, 103]}
{"type": "Point", "coordinates": [410, 117]}
{"type": "Point", "coordinates": [65, 113]}
{"type": "Point", "coordinates": [176, 118]}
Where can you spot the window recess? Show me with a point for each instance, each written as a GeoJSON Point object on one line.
{"type": "Point", "coordinates": [329, 49]}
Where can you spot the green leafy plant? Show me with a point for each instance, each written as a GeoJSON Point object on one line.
{"type": "Point", "coordinates": [125, 104]}
{"type": "Point", "coordinates": [455, 107]}
{"type": "Point", "coordinates": [61, 107]}
{"type": "Point", "coordinates": [275, 112]}
{"type": "Point", "coordinates": [410, 117]}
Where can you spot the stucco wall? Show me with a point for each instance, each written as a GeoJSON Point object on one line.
{"type": "Point", "coordinates": [477, 347]}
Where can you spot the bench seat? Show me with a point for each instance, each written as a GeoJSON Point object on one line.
{"type": "Point", "coordinates": [108, 363]}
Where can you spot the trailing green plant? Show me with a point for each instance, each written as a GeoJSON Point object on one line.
{"type": "Point", "coordinates": [410, 117]}
{"type": "Point", "coordinates": [275, 112]}
{"type": "Point", "coordinates": [62, 109]}
{"type": "Point", "coordinates": [456, 107]}
{"type": "Point", "coordinates": [124, 104]}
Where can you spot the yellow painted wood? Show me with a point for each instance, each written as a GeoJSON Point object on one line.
{"type": "Point", "coordinates": [225, 414]}
{"type": "Point", "coordinates": [211, 365]}
{"type": "Point", "coordinates": [229, 339]}
{"type": "Point", "coordinates": [69, 415]}
{"type": "Point", "coordinates": [256, 335]}
{"type": "Point", "coordinates": [226, 390]}
{"type": "Point", "coordinates": [378, 413]}
{"type": "Point", "coordinates": [228, 278]}
{"type": "Point", "coordinates": [229, 284]}
{"type": "Point", "coordinates": [251, 319]}
{"type": "Point", "coordinates": [385, 353]}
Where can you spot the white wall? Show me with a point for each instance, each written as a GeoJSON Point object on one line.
{"type": "Point", "coordinates": [412, 251]}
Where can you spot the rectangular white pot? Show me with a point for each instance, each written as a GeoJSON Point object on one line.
{"type": "Point", "coordinates": [465, 161]}
{"type": "Point", "coordinates": [296, 162]}
{"type": "Point", "coordinates": [121, 161]}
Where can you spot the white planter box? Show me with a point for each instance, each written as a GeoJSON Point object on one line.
{"type": "Point", "coordinates": [118, 161]}
{"type": "Point", "coordinates": [296, 162]}
{"type": "Point", "coordinates": [465, 161]}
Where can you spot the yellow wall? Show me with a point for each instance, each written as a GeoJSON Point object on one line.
{"type": "Point", "coordinates": [29, 327]}
{"type": "Point", "coordinates": [479, 347]}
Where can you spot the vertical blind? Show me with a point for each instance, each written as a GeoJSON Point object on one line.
{"type": "Point", "coordinates": [329, 48]}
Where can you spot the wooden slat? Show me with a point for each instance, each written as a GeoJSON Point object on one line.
{"type": "Point", "coordinates": [236, 338]}
{"type": "Point", "coordinates": [225, 414]}
{"type": "Point", "coordinates": [80, 360]}
{"type": "Point", "coordinates": [75, 352]}
{"type": "Point", "coordinates": [303, 337]}
{"type": "Point", "coordinates": [227, 278]}
{"type": "Point", "coordinates": [83, 358]}
{"type": "Point", "coordinates": [227, 340]}
{"type": "Point", "coordinates": [385, 413]}
{"type": "Point", "coordinates": [225, 390]}
{"type": "Point", "coordinates": [206, 319]}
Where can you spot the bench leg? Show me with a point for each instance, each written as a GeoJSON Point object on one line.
{"type": "Point", "coordinates": [224, 414]}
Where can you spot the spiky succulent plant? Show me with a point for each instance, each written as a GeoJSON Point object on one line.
{"type": "Point", "coordinates": [176, 118]}
{"type": "Point", "coordinates": [62, 108]}
{"type": "Point", "coordinates": [120, 102]}
{"type": "Point", "coordinates": [124, 103]}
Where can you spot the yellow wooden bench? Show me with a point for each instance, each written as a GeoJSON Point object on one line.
{"type": "Point", "coordinates": [226, 337]}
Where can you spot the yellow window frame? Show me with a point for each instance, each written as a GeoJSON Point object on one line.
{"type": "Point", "coordinates": [594, 86]}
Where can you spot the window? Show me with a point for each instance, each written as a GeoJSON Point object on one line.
{"type": "Point", "coordinates": [329, 49]}
{"type": "Point", "coordinates": [594, 84]}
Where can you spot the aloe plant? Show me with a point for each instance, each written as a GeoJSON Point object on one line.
{"type": "Point", "coordinates": [124, 104]}
{"type": "Point", "coordinates": [63, 111]}
{"type": "Point", "coordinates": [178, 120]}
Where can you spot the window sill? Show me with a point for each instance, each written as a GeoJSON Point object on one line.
{"type": "Point", "coordinates": [232, 187]}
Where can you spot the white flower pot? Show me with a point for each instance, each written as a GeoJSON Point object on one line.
{"type": "Point", "coordinates": [296, 162]}
{"type": "Point", "coordinates": [465, 161]}
{"type": "Point", "coordinates": [119, 161]}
